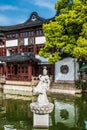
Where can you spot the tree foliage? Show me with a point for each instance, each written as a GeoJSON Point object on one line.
{"type": "Point", "coordinates": [67, 32]}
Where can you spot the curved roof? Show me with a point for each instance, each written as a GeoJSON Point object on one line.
{"type": "Point", "coordinates": [34, 20]}
{"type": "Point", "coordinates": [19, 57]}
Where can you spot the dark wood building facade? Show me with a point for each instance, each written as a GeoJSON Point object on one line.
{"type": "Point", "coordinates": [19, 47]}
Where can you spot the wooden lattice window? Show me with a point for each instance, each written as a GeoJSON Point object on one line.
{"type": "Point", "coordinates": [64, 69]}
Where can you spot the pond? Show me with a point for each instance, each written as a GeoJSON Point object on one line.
{"type": "Point", "coordinates": [70, 112]}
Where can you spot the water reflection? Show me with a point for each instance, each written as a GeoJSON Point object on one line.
{"type": "Point", "coordinates": [70, 113]}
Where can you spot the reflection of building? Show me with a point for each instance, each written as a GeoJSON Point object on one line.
{"type": "Point", "coordinates": [65, 113]}
{"type": "Point", "coordinates": [18, 115]}
{"type": "Point", "coordinates": [70, 113]}
{"type": "Point", "coordinates": [17, 110]}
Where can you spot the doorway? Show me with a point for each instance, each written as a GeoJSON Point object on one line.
{"type": "Point", "coordinates": [15, 69]}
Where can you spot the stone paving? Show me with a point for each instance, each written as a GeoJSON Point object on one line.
{"type": "Point", "coordinates": [24, 88]}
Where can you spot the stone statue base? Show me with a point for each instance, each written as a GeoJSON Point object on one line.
{"type": "Point", "coordinates": [41, 109]}
{"type": "Point", "coordinates": [41, 114]}
{"type": "Point", "coordinates": [41, 121]}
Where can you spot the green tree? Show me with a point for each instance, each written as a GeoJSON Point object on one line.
{"type": "Point", "coordinates": [67, 32]}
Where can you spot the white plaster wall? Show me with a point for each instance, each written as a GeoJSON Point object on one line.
{"type": "Point", "coordinates": [11, 43]}
{"type": "Point", "coordinates": [73, 68]}
{"type": "Point", "coordinates": [39, 40]}
{"type": "Point", "coordinates": [7, 53]}
{"type": "Point", "coordinates": [26, 41]}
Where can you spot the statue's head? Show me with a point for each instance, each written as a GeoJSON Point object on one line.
{"type": "Point", "coordinates": [44, 70]}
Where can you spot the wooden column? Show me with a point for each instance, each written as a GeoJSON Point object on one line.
{"type": "Point", "coordinates": [6, 71]}
{"type": "Point", "coordinates": [1, 70]}
{"type": "Point", "coordinates": [34, 49]}
{"type": "Point", "coordinates": [29, 72]}
{"type": "Point", "coordinates": [18, 42]}
{"type": "Point", "coordinates": [4, 68]}
{"type": "Point", "coordinates": [11, 71]}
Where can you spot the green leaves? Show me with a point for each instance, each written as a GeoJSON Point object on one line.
{"type": "Point", "coordinates": [67, 32]}
{"type": "Point", "coordinates": [54, 58]}
{"type": "Point", "coordinates": [84, 30]}
{"type": "Point", "coordinates": [80, 52]}
{"type": "Point", "coordinates": [81, 42]}
{"type": "Point", "coordinates": [61, 4]}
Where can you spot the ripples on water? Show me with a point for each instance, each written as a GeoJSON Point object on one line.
{"type": "Point", "coordinates": [70, 112]}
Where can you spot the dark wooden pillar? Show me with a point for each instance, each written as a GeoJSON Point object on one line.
{"type": "Point", "coordinates": [34, 48]}
{"type": "Point", "coordinates": [11, 71]}
{"type": "Point", "coordinates": [18, 43]}
{"type": "Point", "coordinates": [1, 70]}
{"type": "Point", "coordinates": [6, 67]}
{"type": "Point", "coordinates": [34, 44]}
{"type": "Point", "coordinates": [29, 72]}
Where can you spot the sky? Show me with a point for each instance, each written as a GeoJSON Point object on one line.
{"type": "Point", "coordinates": [14, 12]}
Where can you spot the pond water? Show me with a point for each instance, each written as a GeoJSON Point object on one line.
{"type": "Point", "coordinates": [70, 113]}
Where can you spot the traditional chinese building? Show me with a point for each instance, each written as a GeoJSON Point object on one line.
{"type": "Point", "coordinates": [19, 47]}
{"type": "Point", "coordinates": [19, 58]}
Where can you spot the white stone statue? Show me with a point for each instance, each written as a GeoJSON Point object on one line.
{"type": "Point", "coordinates": [42, 107]}
{"type": "Point", "coordinates": [42, 88]}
